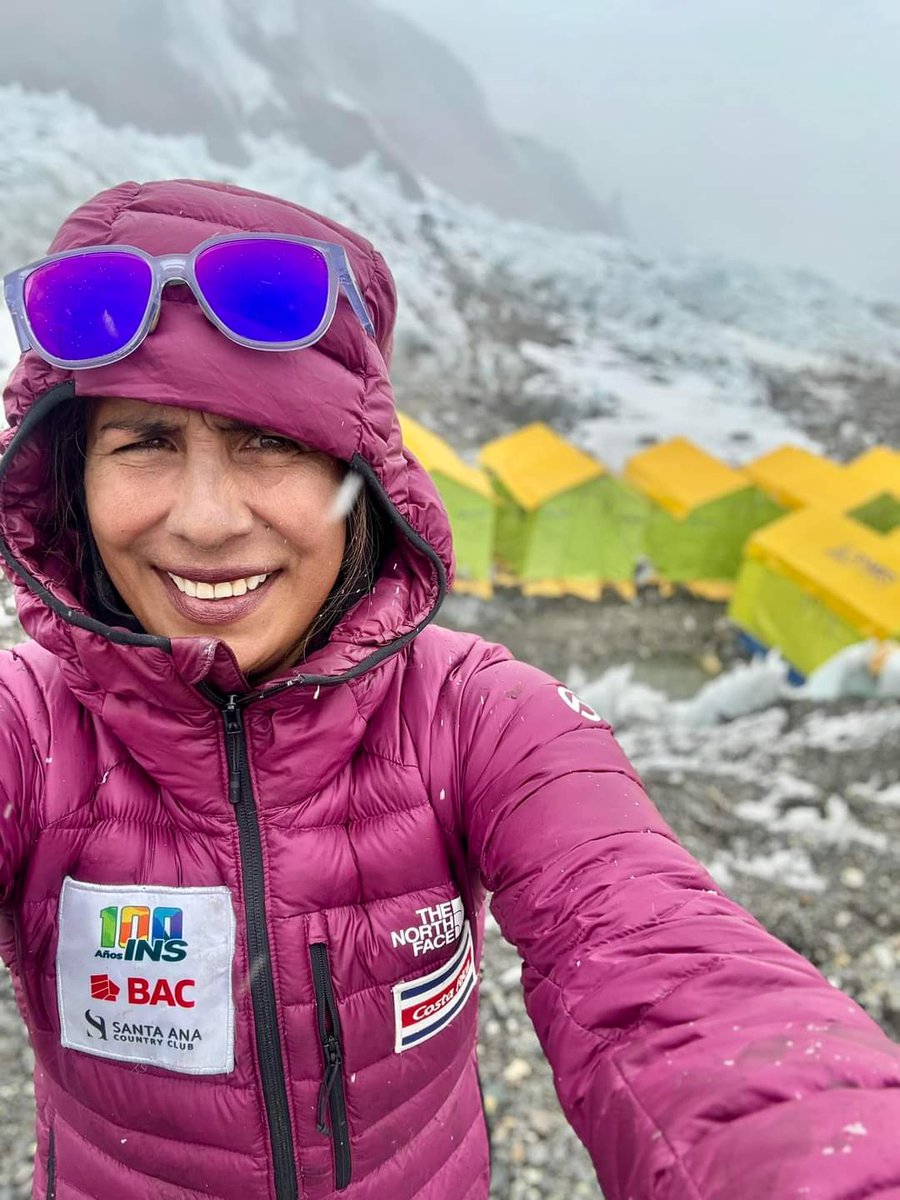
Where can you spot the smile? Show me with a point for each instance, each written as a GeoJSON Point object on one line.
{"type": "Point", "coordinates": [204, 590]}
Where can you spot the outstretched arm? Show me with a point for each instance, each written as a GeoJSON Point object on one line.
{"type": "Point", "coordinates": [18, 768]}
{"type": "Point", "coordinates": [694, 1053]}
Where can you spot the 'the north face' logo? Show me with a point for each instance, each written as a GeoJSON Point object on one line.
{"type": "Point", "coordinates": [135, 932]}
{"type": "Point", "coordinates": [438, 925]}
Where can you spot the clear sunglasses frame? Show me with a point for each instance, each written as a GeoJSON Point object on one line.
{"type": "Point", "coordinates": [180, 269]}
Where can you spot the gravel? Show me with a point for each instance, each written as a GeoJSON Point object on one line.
{"type": "Point", "coordinates": [794, 809]}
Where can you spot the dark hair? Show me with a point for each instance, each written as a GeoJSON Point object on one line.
{"type": "Point", "coordinates": [69, 536]}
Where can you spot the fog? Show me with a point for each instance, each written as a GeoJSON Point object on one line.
{"type": "Point", "coordinates": [764, 130]}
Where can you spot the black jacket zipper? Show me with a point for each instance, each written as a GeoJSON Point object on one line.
{"type": "Point", "coordinates": [331, 1092]}
{"type": "Point", "coordinates": [51, 1165]}
{"type": "Point", "coordinates": [262, 985]}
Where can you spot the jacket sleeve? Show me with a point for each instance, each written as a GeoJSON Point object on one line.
{"type": "Point", "coordinates": [694, 1053]}
{"type": "Point", "coordinates": [18, 776]}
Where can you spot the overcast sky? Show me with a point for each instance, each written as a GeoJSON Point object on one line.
{"type": "Point", "coordinates": [767, 129]}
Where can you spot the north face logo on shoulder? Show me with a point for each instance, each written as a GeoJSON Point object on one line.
{"type": "Point", "coordinates": [436, 926]}
{"type": "Point", "coordinates": [576, 704]}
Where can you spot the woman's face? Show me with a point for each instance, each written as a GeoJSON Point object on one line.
{"type": "Point", "coordinates": [209, 526]}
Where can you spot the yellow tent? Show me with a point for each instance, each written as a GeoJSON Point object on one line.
{"type": "Point", "coordinates": [794, 477]}
{"type": "Point", "coordinates": [881, 465]}
{"type": "Point", "coordinates": [868, 489]}
{"type": "Point", "coordinates": [469, 500]}
{"type": "Point", "coordinates": [701, 513]}
{"type": "Point", "coordinates": [872, 488]}
{"type": "Point", "coordinates": [815, 582]}
{"type": "Point", "coordinates": [565, 524]}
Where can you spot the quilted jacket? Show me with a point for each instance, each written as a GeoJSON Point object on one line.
{"type": "Point", "coordinates": [244, 925]}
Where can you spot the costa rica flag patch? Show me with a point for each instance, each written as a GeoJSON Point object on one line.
{"type": "Point", "coordinates": [425, 1006]}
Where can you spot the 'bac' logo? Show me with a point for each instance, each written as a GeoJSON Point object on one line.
{"type": "Point", "coordinates": [103, 988]}
{"type": "Point", "coordinates": [135, 932]}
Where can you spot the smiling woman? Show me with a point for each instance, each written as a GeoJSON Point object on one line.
{"type": "Point", "coordinates": [252, 801]}
{"type": "Point", "coordinates": [189, 520]}
{"type": "Point", "coordinates": [205, 524]}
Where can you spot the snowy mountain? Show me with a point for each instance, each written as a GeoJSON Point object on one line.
{"type": "Point", "coordinates": [345, 79]}
{"type": "Point", "coordinates": [502, 322]}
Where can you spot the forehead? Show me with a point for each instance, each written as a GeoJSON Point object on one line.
{"type": "Point", "coordinates": [124, 406]}
{"type": "Point", "coordinates": [110, 412]}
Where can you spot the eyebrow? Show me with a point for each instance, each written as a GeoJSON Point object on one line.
{"type": "Point", "coordinates": [144, 426]}
{"type": "Point", "coordinates": [150, 427]}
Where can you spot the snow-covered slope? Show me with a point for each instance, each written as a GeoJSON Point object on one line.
{"type": "Point", "coordinates": [501, 322]}
{"type": "Point", "coordinates": [344, 78]}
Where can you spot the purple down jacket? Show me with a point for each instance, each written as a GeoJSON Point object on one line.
{"type": "Point", "coordinates": [245, 926]}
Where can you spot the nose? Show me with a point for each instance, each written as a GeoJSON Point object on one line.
{"type": "Point", "coordinates": [208, 508]}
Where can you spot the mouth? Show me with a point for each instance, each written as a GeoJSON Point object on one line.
{"type": "Point", "coordinates": [217, 597]}
{"type": "Point", "coordinates": [220, 589]}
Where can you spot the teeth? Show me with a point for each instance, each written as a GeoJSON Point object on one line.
{"type": "Point", "coordinates": [217, 591]}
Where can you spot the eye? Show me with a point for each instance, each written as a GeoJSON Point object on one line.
{"type": "Point", "coordinates": [152, 443]}
{"type": "Point", "coordinates": [276, 444]}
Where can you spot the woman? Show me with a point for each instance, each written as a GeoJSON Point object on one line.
{"type": "Point", "coordinates": [252, 799]}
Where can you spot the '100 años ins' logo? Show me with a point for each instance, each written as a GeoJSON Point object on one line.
{"type": "Point", "coordinates": [135, 932]}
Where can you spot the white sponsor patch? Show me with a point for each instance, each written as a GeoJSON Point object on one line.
{"type": "Point", "coordinates": [437, 926]}
{"type": "Point", "coordinates": [143, 974]}
{"type": "Point", "coordinates": [425, 1006]}
{"type": "Point", "coordinates": [577, 705]}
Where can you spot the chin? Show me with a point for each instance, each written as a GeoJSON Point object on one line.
{"type": "Point", "coordinates": [258, 663]}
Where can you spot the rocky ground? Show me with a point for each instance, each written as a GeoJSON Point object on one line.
{"type": "Point", "coordinates": [795, 809]}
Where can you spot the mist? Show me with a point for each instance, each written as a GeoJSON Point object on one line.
{"type": "Point", "coordinates": [753, 128]}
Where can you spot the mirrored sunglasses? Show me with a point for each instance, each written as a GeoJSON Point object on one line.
{"type": "Point", "coordinates": [93, 306]}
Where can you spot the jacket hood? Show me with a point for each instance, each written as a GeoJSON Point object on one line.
{"type": "Point", "coordinates": [335, 396]}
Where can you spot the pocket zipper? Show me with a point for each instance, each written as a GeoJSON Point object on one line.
{"type": "Point", "coordinates": [331, 1090]}
{"type": "Point", "coordinates": [51, 1165]}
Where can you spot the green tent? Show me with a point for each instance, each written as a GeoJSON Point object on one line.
{"type": "Point", "coordinates": [565, 525]}
{"type": "Point", "coordinates": [701, 514]}
{"type": "Point", "coordinates": [469, 501]}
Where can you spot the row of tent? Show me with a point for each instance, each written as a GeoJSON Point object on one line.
{"type": "Point", "coordinates": [807, 550]}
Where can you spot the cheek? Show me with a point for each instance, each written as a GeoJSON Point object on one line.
{"type": "Point", "coordinates": [306, 519]}
{"type": "Point", "coordinates": [103, 502]}
{"type": "Point", "coordinates": [319, 539]}
{"type": "Point", "coordinates": [118, 506]}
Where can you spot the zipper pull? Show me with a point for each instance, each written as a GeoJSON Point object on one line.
{"type": "Point", "coordinates": [332, 1070]}
{"type": "Point", "coordinates": [234, 733]}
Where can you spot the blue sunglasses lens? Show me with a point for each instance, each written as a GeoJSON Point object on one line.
{"type": "Point", "coordinates": [265, 290]}
{"type": "Point", "coordinates": [88, 305]}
